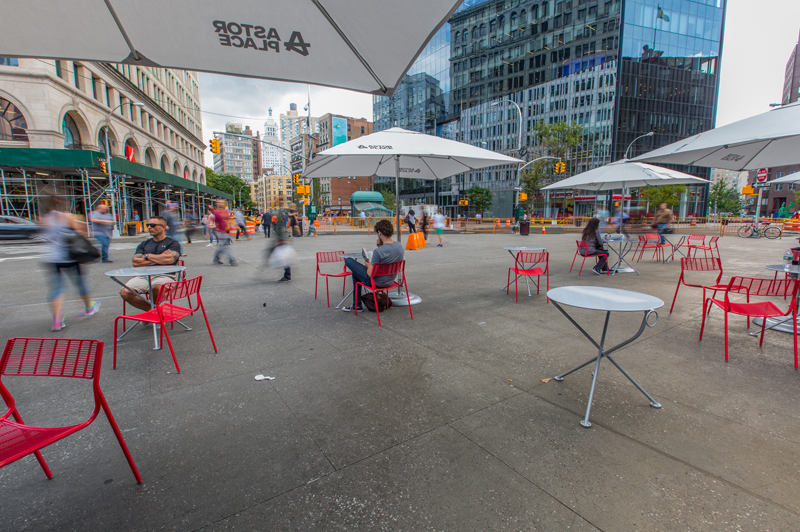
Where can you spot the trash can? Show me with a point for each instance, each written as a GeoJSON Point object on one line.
{"type": "Point", "coordinates": [131, 229]}
{"type": "Point", "coordinates": [524, 227]}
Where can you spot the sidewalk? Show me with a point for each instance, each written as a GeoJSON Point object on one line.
{"type": "Point", "coordinates": [437, 423]}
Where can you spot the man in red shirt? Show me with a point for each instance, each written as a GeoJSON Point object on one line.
{"type": "Point", "coordinates": [222, 218]}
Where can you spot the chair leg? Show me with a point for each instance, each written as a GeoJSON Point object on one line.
{"type": "Point", "coordinates": [327, 292]}
{"type": "Point", "coordinates": [114, 364]}
{"type": "Point", "coordinates": [582, 263]}
{"type": "Point", "coordinates": [316, 278]}
{"type": "Point", "coordinates": [726, 335]}
{"type": "Point", "coordinates": [208, 327]}
{"type": "Point", "coordinates": [118, 434]}
{"type": "Point", "coordinates": [124, 312]}
{"type": "Point", "coordinates": [794, 326]}
{"type": "Point", "coordinates": [377, 312]}
{"type": "Point", "coordinates": [508, 284]}
{"type": "Point", "coordinates": [573, 261]}
{"type": "Point", "coordinates": [676, 295]}
{"type": "Point", "coordinates": [763, 325]}
{"type": "Point", "coordinates": [547, 300]}
{"type": "Point", "coordinates": [39, 457]}
{"type": "Point", "coordinates": [169, 343]}
{"type": "Point", "coordinates": [516, 286]}
{"type": "Point", "coordinates": [408, 298]}
{"type": "Point", "coordinates": [703, 323]}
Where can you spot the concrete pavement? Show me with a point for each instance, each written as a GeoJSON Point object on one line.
{"type": "Point", "coordinates": [437, 423]}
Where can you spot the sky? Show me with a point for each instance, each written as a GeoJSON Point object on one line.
{"type": "Point", "coordinates": [759, 36]}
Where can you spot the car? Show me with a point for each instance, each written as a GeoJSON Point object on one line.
{"type": "Point", "coordinates": [16, 228]}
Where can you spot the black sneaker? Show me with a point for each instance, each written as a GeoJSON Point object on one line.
{"type": "Point", "coordinates": [598, 272]}
{"type": "Point", "coordinates": [349, 308]}
{"type": "Point", "coordinates": [284, 279]}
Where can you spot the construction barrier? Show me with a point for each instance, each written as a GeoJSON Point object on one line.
{"type": "Point", "coordinates": [415, 241]}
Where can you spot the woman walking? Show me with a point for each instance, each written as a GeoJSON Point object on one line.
{"type": "Point", "coordinates": [425, 221]}
{"type": "Point", "coordinates": [59, 227]}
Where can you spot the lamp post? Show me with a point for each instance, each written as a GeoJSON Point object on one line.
{"type": "Point", "coordinates": [634, 140]}
{"type": "Point", "coordinates": [519, 173]}
{"type": "Point", "coordinates": [519, 110]}
{"type": "Point", "coordinates": [240, 194]}
{"type": "Point", "coordinates": [108, 167]}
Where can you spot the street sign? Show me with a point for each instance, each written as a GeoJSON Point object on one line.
{"type": "Point", "coordinates": [518, 189]}
{"type": "Point", "coordinates": [761, 176]}
{"type": "Point", "coordinates": [761, 185]}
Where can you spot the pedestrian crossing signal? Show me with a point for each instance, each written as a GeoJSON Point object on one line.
{"type": "Point", "coordinates": [463, 202]}
{"type": "Point", "coordinates": [523, 196]}
{"type": "Point", "coordinates": [561, 168]}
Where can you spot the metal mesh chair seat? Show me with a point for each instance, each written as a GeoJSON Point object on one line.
{"type": "Point", "coordinates": [324, 257]}
{"type": "Point", "coordinates": [16, 440]}
{"type": "Point", "coordinates": [378, 270]}
{"type": "Point", "coordinates": [169, 312]}
{"type": "Point", "coordinates": [527, 257]}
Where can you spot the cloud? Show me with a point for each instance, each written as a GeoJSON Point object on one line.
{"type": "Point", "coordinates": [252, 98]}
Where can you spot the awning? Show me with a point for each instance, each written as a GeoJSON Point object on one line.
{"type": "Point", "coordinates": [369, 206]}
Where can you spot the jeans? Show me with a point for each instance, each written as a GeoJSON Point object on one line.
{"type": "Point", "coordinates": [104, 241]}
{"type": "Point", "coordinates": [267, 228]}
{"type": "Point", "coordinates": [224, 248]}
{"type": "Point", "coordinates": [359, 272]}
{"type": "Point", "coordinates": [174, 236]}
{"type": "Point", "coordinates": [56, 285]}
{"type": "Point", "coordinates": [661, 229]}
{"type": "Point", "coordinates": [410, 227]}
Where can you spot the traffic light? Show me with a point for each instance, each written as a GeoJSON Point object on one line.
{"type": "Point", "coordinates": [561, 168]}
{"type": "Point", "coordinates": [463, 202]}
{"type": "Point", "coordinates": [523, 196]}
{"type": "Point", "coordinates": [296, 179]}
{"type": "Point", "coordinates": [103, 167]}
{"type": "Point", "coordinates": [214, 143]}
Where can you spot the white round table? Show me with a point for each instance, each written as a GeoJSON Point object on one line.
{"type": "Point", "coordinates": [607, 300]}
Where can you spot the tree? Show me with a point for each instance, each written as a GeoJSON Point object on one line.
{"type": "Point", "coordinates": [558, 140]}
{"type": "Point", "coordinates": [389, 199]}
{"type": "Point", "coordinates": [480, 198]}
{"type": "Point", "coordinates": [722, 198]}
{"type": "Point", "coordinates": [669, 194]}
{"type": "Point", "coordinates": [230, 184]}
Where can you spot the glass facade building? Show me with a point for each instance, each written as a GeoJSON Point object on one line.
{"type": "Point", "coordinates": [620, 68]}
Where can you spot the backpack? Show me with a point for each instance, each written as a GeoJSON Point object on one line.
{"type": "Point", "coordinates": [384, 301]}
{"type": "Point", "coordinates": [274, 219]}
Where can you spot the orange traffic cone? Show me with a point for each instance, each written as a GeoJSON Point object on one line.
{"type": "Point", "coordinates": [543, 231]}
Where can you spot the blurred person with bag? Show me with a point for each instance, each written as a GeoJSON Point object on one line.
{"type": "Point", "coordinates": [662, 220]}
{"type": "Point", "coordinates": [281, 254]}
{"type": "Point", "coordinates": [222, 219]}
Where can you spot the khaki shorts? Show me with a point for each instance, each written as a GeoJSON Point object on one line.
{"type": "Point", "coordinates": [140, 286]}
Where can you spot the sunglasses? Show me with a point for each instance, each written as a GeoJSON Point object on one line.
{"type": "Point", "coordinates": [155, 225]}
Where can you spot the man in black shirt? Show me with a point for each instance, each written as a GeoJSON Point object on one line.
{"type": "Point", "coordinates": [266, 222]}
{"type": "Point", "coordinates": [158, 250]}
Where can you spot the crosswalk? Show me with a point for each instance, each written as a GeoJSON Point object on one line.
{"type": "Point", "coordinates": [14, 252]}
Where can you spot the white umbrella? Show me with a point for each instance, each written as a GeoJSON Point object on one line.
{"type": "Point", "coordinates": [791, 178]}
{"type": "Point", "coordinates": [364, 45]}
{"type": "Point", "coordinates": [401, 153]}
{"type": "Point", "coordinates": [626, 174]}
{"type": "Point", "coordinates": [762, 141]}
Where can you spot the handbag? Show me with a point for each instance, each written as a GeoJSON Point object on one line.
{"type": "Point", "coordinates": [282, 257]}
{"type": "Point", "coordinates": [384, 301]}
{"type": "Point", "coordinates": [81, 250]}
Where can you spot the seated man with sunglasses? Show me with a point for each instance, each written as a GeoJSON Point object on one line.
{"type": "Point", "coordinates": [158, 250]}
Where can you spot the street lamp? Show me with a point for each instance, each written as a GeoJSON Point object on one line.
{"type": "Point", "coordinates": [634, 140]}
{"type": "Point", "coordinates": [108, 167]}
{"type": "Point", "coordinates": [519, 110]}
{"type": "Point", "coordinates": [240, 193]}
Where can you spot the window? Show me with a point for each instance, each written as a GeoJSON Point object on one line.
{"type": "Point", "coordinates": [9, 61]}
{"type": "Point", "coordinates": [12, 124]}
{"type": "Point", "coordinates": [72, 136]}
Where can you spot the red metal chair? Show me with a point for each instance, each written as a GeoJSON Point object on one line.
{"type": "Point", "coordinates": [180, 276]}
{"type": "Point", "coordinates": [583, 245]}
{"type": "Point", "coordinates": [527, 257]}
{"type": "Point", "coordinates": [693, 243]}
{"type": "Point", "coordinates": [700, 265]}
{"type": "Point", "coordinates": [165, 312]}
{"type": "Point", "coordinates": [50, 357]}
{"type": "Point", "coordinates": [324, 257]}
{"type": "Point", "coordinates": [652, 241]}
{"type": "Point", "coordinates": [378, 270]}
{"type": "Point", "coordinates": [762, 309]}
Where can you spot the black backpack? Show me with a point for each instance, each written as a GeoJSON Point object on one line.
{"type": "Point", "coordinates": [384, 301]}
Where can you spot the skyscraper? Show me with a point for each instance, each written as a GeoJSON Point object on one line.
{"type": "Point", "coordinates": [791, 81]}
{"type": "Point", "coordinates": [271, 154]}
{"type": "Point", "coordinates": [620, 69]}
{"type": "Point", "coordinates": [292, 125]}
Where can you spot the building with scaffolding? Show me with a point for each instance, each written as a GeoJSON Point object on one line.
{"type": "Point", "coordinates": [57, 119]}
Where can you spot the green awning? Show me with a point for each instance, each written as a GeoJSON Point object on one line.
{"type": "Point", "coordinates": [65, 161]}
{"type": "Point", "coordinates": [370, 207]}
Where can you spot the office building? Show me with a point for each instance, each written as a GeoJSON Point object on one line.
{"type": "Point", "coordinates": [293, 125]}
{"type": "Point", "coordinates": [620, 69]}
{"type": "Point", "coordinates": [335, 191]}
{"type": "Point", "coordinates": [272, 192]}
{"type": "Point", "coordinates": [791, 81]}
{"type": "Point", "coordinates": [239, 157]}
{"type": "Point", "coordinates": [65, 109]}
{"type": "Point", "coordinates": [271, 154]}
{"type": "Point", "coordinates": [731, 178]}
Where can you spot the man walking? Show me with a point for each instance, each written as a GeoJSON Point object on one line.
{"type": "Point", "coordinates": [266, 223]}
{"type": "Point", "coordinates": [438, 224]}
{"type": "Point", "coordinates": [102, 226]}
{"type": "Point", "coordinates": [222, 217]}
{"type": "Point", "coordinates": [663, 219]}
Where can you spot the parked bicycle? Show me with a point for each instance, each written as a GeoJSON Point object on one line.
{"type": "Point", "coordinates": [770, 231]}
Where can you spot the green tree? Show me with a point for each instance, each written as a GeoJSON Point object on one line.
{"type": "Point", "coordinates": [669, 194]}
{"type": "Point", "coordinates": [480, 198]}
{"type": "Point", "coordinates": [230, 184]}
{"type": "Point", "coordinates": [389, 198]}
{"type": "Point", "coordinates": [558, 140]}
{"type": "Point", "coordinates": [722, 198]}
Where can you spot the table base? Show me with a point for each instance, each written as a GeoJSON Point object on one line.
{"type": "Point", "coordinates": [622, 269]}
{"type": "Point", "coordinates": [776, 324]}
{"type": "Point", "coordinates": [603, 353]}
{"type": "Point", "coordinates": [399, 299]}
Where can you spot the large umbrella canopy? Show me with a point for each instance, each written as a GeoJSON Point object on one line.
{"type": "Point", "coordinates": [791, 178]}
{"type": "Point", "coordinates": [402, 153]}
{"type": "Point", "coordinates": [762, 141]}
{"type": "Point", "coordinates": [364, 45]}
{"type": "Point", "coordinates": [626, 174]}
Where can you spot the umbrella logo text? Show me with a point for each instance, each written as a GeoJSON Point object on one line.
{"type": "Point", "coordinates": [409, 170]}
{"type": "Point", "coordinates": [374, 147]}
{"type": "Point", "coordinates": [733, 157]}
{"type": "Point", "coordinates": [241, 35]}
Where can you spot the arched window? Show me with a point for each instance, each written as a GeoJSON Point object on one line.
{"type": "Point", "coordinates": [72, 137]}
{"type": "Point", "coordinates": [458, 36]}
{"type": "Point", "coordinates": [523, 17]}
{"type": "Point", "coordinates": [12, 124]}
{"type": "Point", "coordinates": [513, 19]}
{"type": "Point", "coordinates": [130, 150]}
{"type": "Point", "coordinates": [164, 163]}
{"type": "Point", "coordinates": [101, 140]}
{"type": "Point", "coordinates": [149, 160]}
{"type": "Point", "coordinates": [475, 33]}
{"type": "Point", "coordinates": [483, 29]}
{"type": "Point", "coordinates": [176, 169]}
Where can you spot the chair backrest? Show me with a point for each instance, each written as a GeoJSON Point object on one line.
{"type": "Point", "coordinates": [529, 257]}
{"type": "Point", "coordinates": [642, 239]}
{"type": "Point", "coordinates": [713, 241]}
{"type": "Point", "coordinates": [52, 357]}
{"type": "Point", "coordinates": [329, 256]}
{"type": "Point", "coordinates": [701, 265]}
{"type": "Point", "coordinates": [582, 244]}
{"type": "Point", "coordinates": [701, 238]}
{"type": "Point", "coordinates": [179, 289]}
{"type": "Point", "coordinates": [796, 255]}
{"type": "Point", "coordinates": [652, 236]}
{"type": "Point", "coordinates": [389, 269]}
{"type": "Point", "coordinates": [763, 287]}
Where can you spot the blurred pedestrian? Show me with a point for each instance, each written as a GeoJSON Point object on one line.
{"type": "Point", "coordinates": [438, 224]}
{"type": "Point", "coordinates": [59, 229]}
{"type": "Point", "coordinates": [102, 227]}
{"type": "Point", "coordinates": [662, 221]}
{"type": "Point", "coordinates": [170, 215]}
{"type": "Point", "coordinates": [222, 219]}
{"type": "Point", "coordinates": [410, 221]}
{"type": "Point", "coordinates": [281, 239]}
{"type": "Point", "coordinates": [293, 228]}
{"type": "Point", "coordinates": [211, 225]}
{"type": "Point", "coordinates": [266, 223]}
{"type": "Point", "coordinates": [241, 226]}
{"type": "Point", "coordinates": [189, 224]}
{"type": "Point", "coordinates": [594, 243]}
{"type": "Point", "coordinates": [424, 221]}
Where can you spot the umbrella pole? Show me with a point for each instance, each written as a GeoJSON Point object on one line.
{"type": "Point", "coordinates": [397, 197]}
